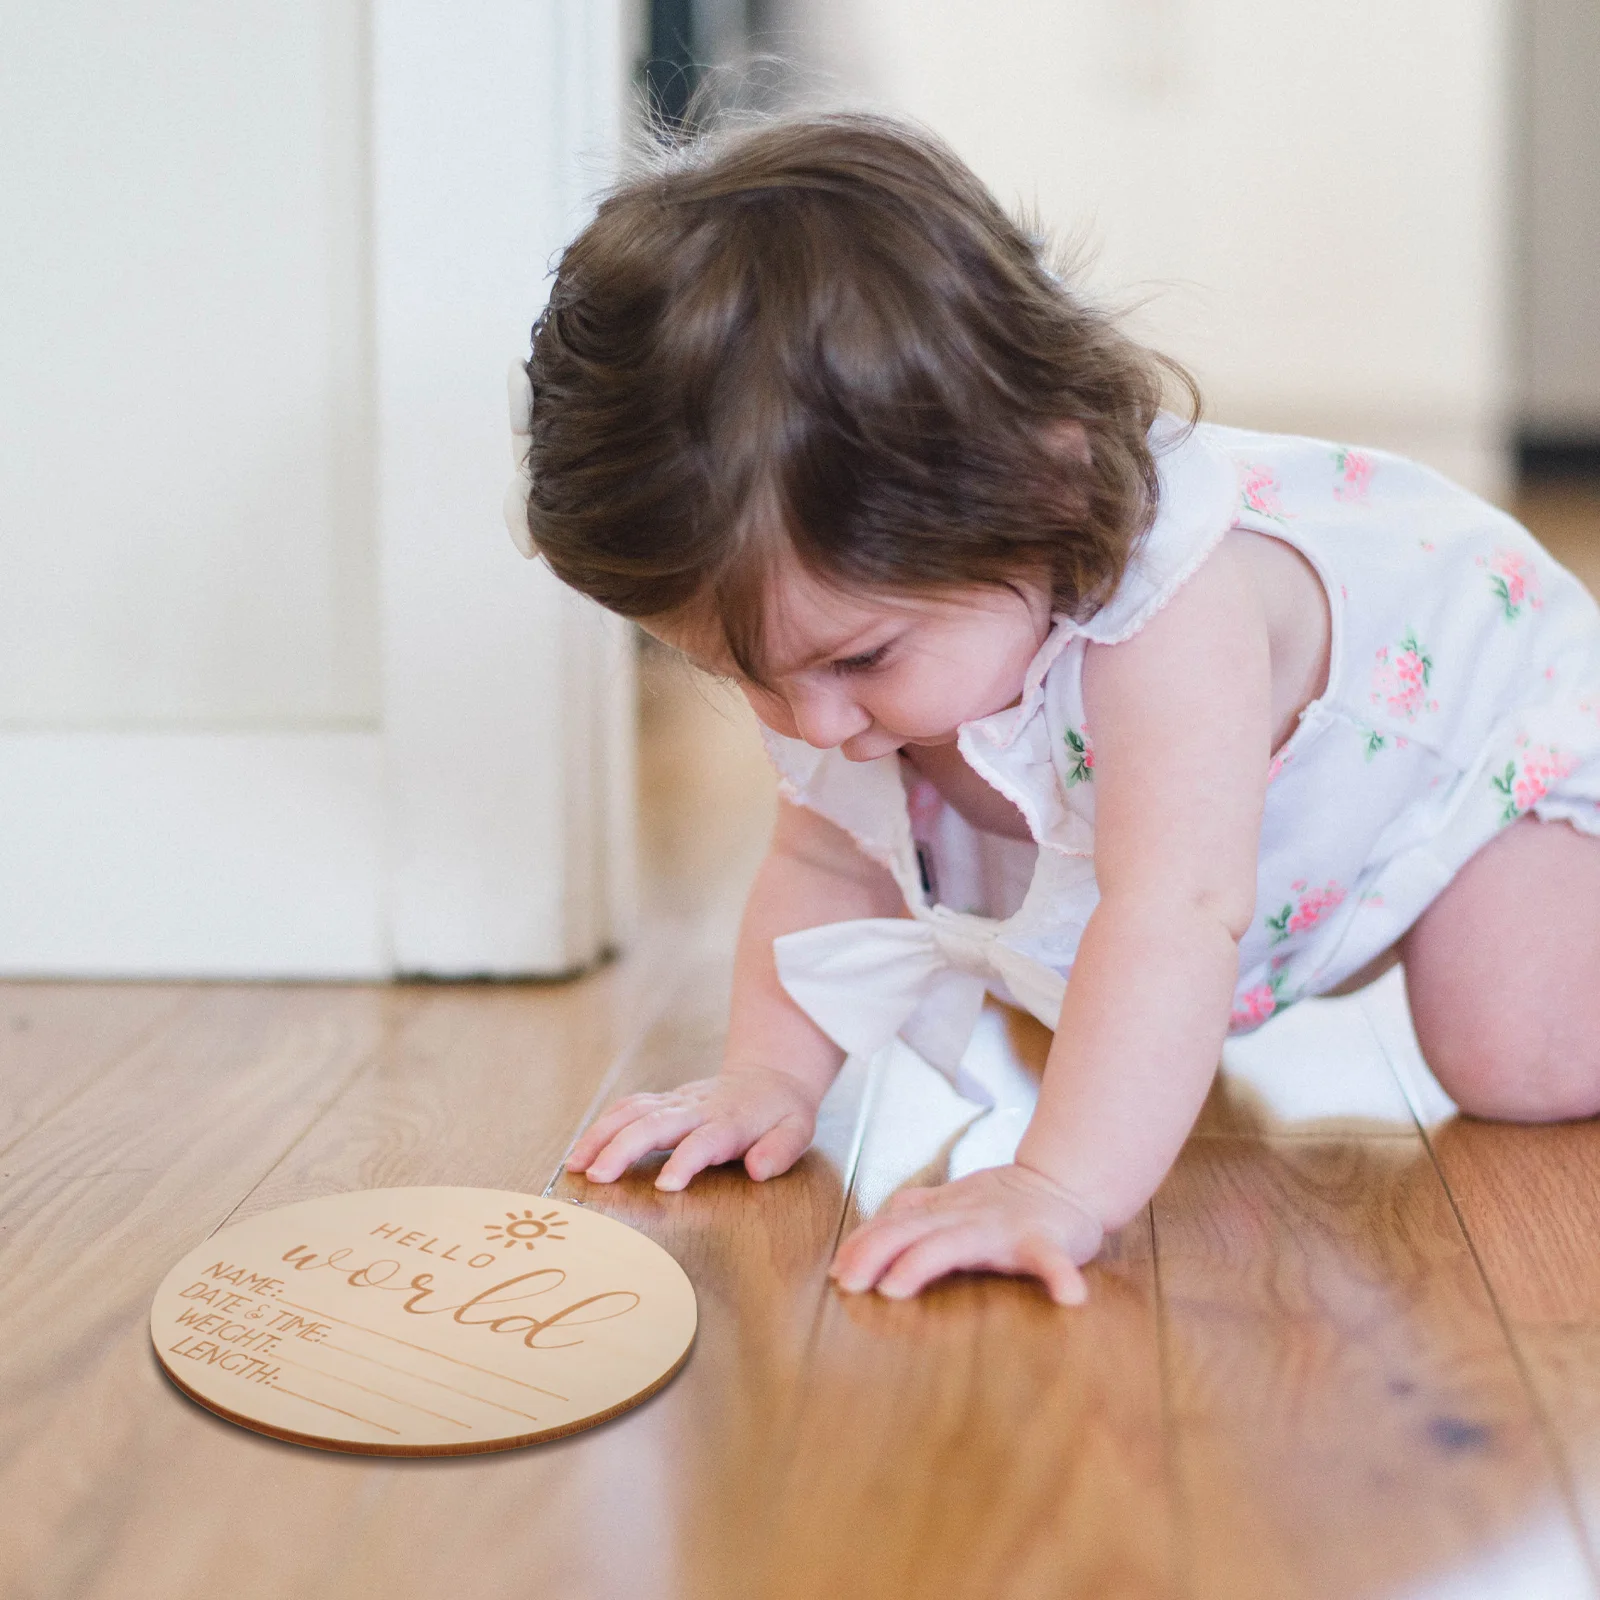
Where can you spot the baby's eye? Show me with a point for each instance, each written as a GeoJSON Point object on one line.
{"type": "Point", "coordinates": [862, 663]}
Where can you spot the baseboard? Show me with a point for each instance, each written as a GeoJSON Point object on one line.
{"type": "Point", "coordinates": [1543, 456]}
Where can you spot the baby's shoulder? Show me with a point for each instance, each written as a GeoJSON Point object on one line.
{"type": "Point", "coordinates": [1287, 482]}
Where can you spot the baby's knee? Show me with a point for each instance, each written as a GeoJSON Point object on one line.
{"type": "Point", "coordinates": [1513, 1070]}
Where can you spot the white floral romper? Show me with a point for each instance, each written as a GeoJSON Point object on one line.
{"type": "Point", "coordinates": [1463, 692]}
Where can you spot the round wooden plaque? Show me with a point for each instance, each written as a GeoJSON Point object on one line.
{"type": "Point", "coordinates": [423, 1322]}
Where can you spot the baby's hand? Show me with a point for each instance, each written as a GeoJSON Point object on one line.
{"type": "Point", "coordinates": [1006, 1219]}
{"type": "Point", "coordinates": [755, 1112]}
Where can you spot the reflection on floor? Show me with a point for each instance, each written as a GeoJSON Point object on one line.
{"type": "Point", "coordinates": [1352, 1349]}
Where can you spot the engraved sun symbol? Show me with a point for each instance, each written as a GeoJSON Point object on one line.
{"type": "Point", "coordinates": [526, 1229]}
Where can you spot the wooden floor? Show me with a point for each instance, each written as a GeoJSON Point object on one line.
{"type": "Point", "coordinates": [1352, 1349]}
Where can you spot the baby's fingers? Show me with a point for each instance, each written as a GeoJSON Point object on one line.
{"type": "Point", "coordinates": [1057, 1271]}
{"type": "Point", "coordinates": [968, 1244]}
{"type": "Point", "coordinates": [975, 1245]}
{"type": "Point", "coordinates": [866, 1254]}
{"type": "Point", "coordinates": [654, 1130]}
{"type": "Point", "coordinates": [779, 1147]}
{"type": "Point", "coordinates": [607, 1125]}
{"type": "Point", "coordinates": [712, 1143]}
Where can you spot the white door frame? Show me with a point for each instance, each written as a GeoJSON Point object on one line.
{"type": "Point", "coordinates": [485, 827]}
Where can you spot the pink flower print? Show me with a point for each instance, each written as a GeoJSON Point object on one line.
{"type": "Point", "coordinates": [1306, 910]}
{"type": "Point", "coordinates": [1277, 764]}
{"type": "Point", "coordinates": [1526, 778]}
{"type": "Point", "coordinates": [1514, 579]}
{"type": "Point", "coordinates": [1259, 491]}
{"type": "Point", "coordinates": [1080, 757]}
{"type": "Point", "coordinates": [1254, 1006]}
{"type": "Point", "coordinates": [1355, 474]}
{"type": "Point", "coordinates": [1401, 677]}
{"type": "Point", "coordinates": [1428, 545]}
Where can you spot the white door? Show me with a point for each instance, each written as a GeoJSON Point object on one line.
{"type": "Point", "coordinates": [277, 696]}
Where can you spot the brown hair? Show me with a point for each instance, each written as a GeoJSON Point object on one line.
{"type": "Point", "coordinates": [824, 331]}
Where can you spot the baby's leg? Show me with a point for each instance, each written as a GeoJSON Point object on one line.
{"type": "Point", "coordinates": [1503, 973]}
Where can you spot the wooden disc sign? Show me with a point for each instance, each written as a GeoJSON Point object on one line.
{"type": "Point", "coordinates": [421, 1322]}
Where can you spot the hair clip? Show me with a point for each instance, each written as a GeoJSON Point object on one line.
{"type": "Point", "coordinates": [519, 390]}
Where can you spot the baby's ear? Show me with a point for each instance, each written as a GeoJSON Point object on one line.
{"type": "Point", "coordinates": [1069, 439]}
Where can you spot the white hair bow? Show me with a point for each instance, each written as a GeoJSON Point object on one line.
{"type": "Point", "coordinates": [520, 391]}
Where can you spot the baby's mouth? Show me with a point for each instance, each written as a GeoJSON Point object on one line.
{"type": "Point", "coordinates": [863, 748]}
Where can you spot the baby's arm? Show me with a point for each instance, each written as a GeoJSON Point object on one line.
{"type": "Point", "coordinates": [777, 1063]}
{"type": "Point", "coordinates": [1181, 719]}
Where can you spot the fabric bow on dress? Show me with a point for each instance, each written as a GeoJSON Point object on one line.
{"type": "Point", "coordinates": [865, 981]}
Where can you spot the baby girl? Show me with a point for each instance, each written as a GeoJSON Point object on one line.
{"type": "Point", "coordinates": [1148, 726]}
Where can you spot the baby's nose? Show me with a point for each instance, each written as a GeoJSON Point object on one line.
{"type": "Point", "coordinates": [825, 718]}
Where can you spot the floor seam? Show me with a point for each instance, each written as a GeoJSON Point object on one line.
{"type": "Point", "coordinates": [620, 1062]}
{"type": "Point", "coordinates": [1181, 1565]}
{"type": "Point", "coordinates": [805, 1379]}
{"type": "Point", "coordinates": [1554, 1449]}
{"type": "Point", "coordinates": [364, 1064]}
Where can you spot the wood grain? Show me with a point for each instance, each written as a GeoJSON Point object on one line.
{"type": "Point", "coordinates": [470, 1084]}
{"type": "Point", "coordinates": [99, 1201]}
{"type": "Point", "coordinates": [757, 1255]}
{"type": "Point", "coordinates": [57, 1038]}
{"type": "Point", "coordinates": [1530, 1199]}
{"type": "Point", "coordinates": [655, 1504]}
{"type": "Point", "coordinates": [1347, 1414]}
{"type": "Point", "coordinates": [482, 1086]}
{"type": "Point", "coordinates": [977, 1441]}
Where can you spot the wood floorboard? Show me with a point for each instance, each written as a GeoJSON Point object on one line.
{"type": "Point", "coordinates": [757, 1254]}
{"type": "Point", "coordinates": [57, 1038]}
{"type": "Point", "coordinates": [977, 1441]}
{"type": "Point", "coordinates": [664, 1501]}
{"type": "Point", "coordinates": [1530, 1199]}
{"type": "Point", "coordinates": [1349, 1419]}
{"type": "Point", "coordinates": [98, 1202]}
{"type": "Point", "coordinates": [482, 1085]}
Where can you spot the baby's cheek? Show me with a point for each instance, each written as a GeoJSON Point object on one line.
{"type": "Point", "coordinates": [772, 710]}
{"type": "Point", "coordinates": [934, 702]}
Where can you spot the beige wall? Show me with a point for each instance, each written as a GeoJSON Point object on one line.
{"type": "Point", "coordinates": [1559, 216]}
{"type": "Point", "coordinates": [1315, 196]}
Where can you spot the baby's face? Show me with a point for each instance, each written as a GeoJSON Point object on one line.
{"type": "Point", "coordinates": [868, 674]}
